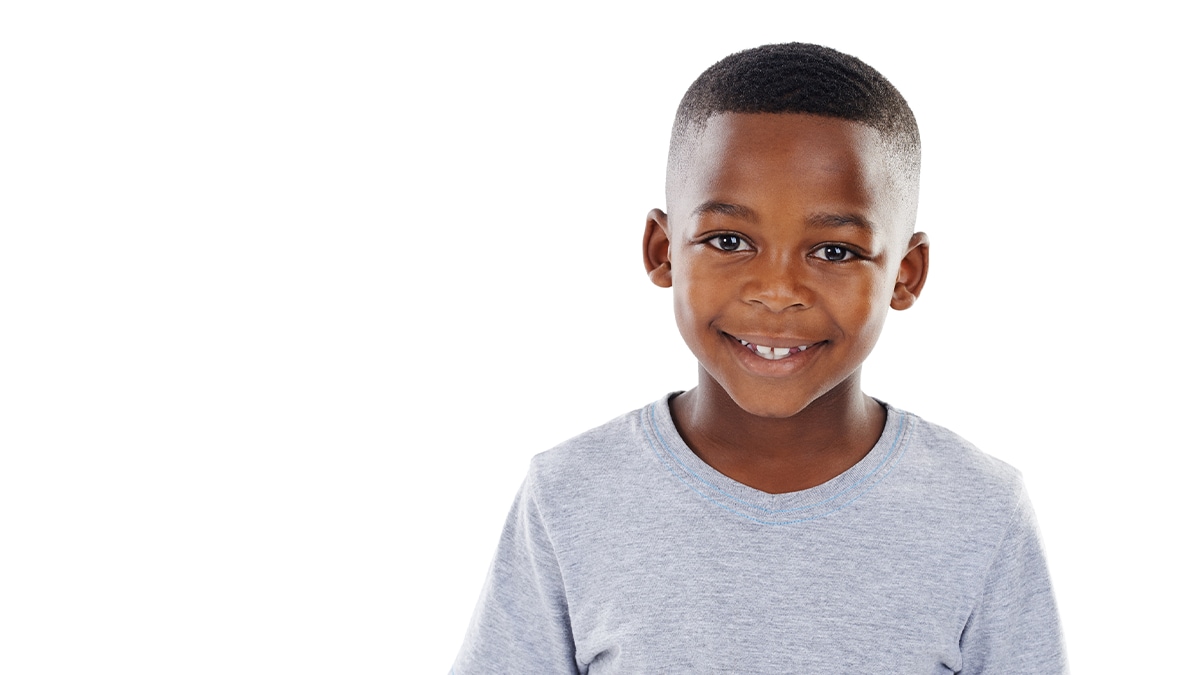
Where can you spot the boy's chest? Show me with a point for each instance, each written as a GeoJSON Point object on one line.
{"type": "Point", "coordinates": [718, 597]}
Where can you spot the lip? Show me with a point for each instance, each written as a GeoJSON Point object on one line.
{"type": "Point", "coordinates": [758, 365]}
{"type": "Point", "coordinates": [775, 340]}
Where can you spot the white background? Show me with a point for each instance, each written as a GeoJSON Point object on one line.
{"type": "Point", "coordinates": [291, 292]}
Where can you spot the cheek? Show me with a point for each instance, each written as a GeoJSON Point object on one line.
{"type": "Point", "coordinates": [696, 307]}
{"type": "Point", "coordinates": [686, 307]}
{"type": "Point", "coordinates": [861, 307]}
{"type": "Point", "coordinates": [878, 302]}
{"type": "Point", "coordinates": [688, 295]}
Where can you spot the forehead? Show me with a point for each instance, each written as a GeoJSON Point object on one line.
{"type": "Point", "coordinates": [786, 161]}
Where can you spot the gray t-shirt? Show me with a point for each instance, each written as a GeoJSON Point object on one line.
{"type": "Point", "coordinates": [625, 553]}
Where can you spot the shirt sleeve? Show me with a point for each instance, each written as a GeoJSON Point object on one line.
{"type": "Point", "coordinates": [521, 624]}
{"type": "Point", "coordinates": [1014, 627]}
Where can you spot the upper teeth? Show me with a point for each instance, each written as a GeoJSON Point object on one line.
{"type": "Point", "coordinates": [772, 353]}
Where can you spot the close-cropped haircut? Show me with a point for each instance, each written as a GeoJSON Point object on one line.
{"type": "Point", "coordinates": [802, 78]}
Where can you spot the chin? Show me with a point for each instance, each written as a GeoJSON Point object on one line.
{"type": "Point", "coordinates": [771, 408]}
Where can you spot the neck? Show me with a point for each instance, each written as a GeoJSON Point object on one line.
{"type": "Point", "coordinates": [778, 455]}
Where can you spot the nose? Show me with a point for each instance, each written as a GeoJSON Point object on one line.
{"type": "Point", "coordinates": [777, 283]}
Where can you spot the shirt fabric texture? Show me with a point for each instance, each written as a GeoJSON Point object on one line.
{"type": "Point", "coordinates": [625, 553]}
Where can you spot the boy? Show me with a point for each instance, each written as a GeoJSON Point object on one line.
{"type": "Point", "coordinates": [774, 519]}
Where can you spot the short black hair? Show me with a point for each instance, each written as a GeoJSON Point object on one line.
{"type": "Point", "coordinates": [801, 78]}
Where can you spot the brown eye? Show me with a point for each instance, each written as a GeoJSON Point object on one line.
{"type": "Point", "coordinates": [834, 253]}
{"type": "Point", "coordinates": [728, 242]}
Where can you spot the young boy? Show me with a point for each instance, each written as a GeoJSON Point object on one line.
{"type": "Point", "coordinates": [774, 519]}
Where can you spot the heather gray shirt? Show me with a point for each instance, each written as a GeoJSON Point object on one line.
{"type": "Point", "coordinates": [625, 553]}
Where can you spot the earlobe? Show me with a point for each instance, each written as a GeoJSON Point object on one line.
{"type": "Point", "coordinates": [656, 249]}
{"type": "Point", "coordinates": [913, 269]}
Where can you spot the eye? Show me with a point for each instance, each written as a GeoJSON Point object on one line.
{"type": "Point", "coordinates": [729, 242]}
{"type": "Point", "coordinates": [834, 253]}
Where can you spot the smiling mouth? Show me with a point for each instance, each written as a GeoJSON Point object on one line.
{"type": "Point", "coordinates": [772, 353]}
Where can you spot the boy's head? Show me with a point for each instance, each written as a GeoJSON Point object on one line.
{"type": "Point", "coordinates": [805, 79]}
{"type": "Point", "coordinates": [792, 188]}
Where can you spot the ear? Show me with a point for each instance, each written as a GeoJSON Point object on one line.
{"type": "Point", "coordinates": [656, 248]}
{"type": "Point", "coordinates": [913, 268]}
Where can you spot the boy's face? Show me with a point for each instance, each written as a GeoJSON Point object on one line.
{"type": "Point", "coordinates": [785, 245]}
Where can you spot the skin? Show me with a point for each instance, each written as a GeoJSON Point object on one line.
{"type": "Point", "coordinates": [786, 230]}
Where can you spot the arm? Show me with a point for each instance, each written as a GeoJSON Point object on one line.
{"type": "Point", "coordinates": [520, 623]}
{"type": "Point", "coordinates": [1014, 627]}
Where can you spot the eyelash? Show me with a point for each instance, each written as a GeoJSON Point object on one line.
{"type": "Point", "coordinates": [712, 241]}
{"type": "Point", "coordinates": [847, 253]}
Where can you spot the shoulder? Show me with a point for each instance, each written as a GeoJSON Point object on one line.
{"type": "Point", "coordinates": [944, 480]}
{"type": "Point", "coordinates": [1008, 613]}
{"type": "Point", "coordinates": [979, 528]}
{"type": "Point", "coordinates": [597, 465]}
{"type": "Point", "coordinates": [944, 457]}
{"type": "Point", "coordinates": [591, 450]}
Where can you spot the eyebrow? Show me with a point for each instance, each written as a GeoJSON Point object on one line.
{"type": "Point", "coordinates": [724, 209]}
{"type": "Point", "coordinates": [833, 220]}
{"type": "Point", "coordinates": [819, 220]}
